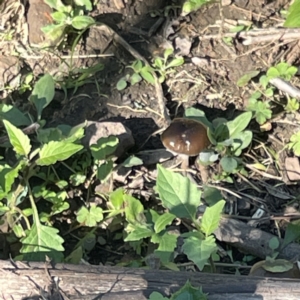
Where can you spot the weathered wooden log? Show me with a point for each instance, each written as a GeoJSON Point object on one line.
{"type": "Point", "coordinates": [30, 280]}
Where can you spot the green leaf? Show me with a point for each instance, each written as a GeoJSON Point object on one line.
{"type": "Point", "coordinates": [104, 170]}
{"type": "Point", "coordinates": [85, 3]}
{"type": "Point", "coordinates": [293, 17]}
{"type": "Point", "coordinates": [59, 16]}
{"type": "Point", "coordinates": [292, 233]}
{"type": "Point", "coordinates": [43, 93]}
{"type": "Point", "coordinates": [121, 84]}
{"type": "Point", "coordinates": [7, 178]}
{"type": "Point", "coordinates": [135, 78]}
{"type": "Point", "coordinates": [157, 296]}
{"type": "Point", "coordinates": [90, 217]}
{"type": "Point", "coordinates": [211, 195]}
{"type": "Point", "coordinates": [134, 210]}
{"type": "Point", "coordinates": [229, 164]}
{"type": "Point", "coordinates": [13, 115]}
{"type": "Point", "coordinates": [104, 148]}
{"type": "Point", "coordinates": [199, 250]}
{"type": "Point", "coordinates": [176, 62]}
{"type": "Point", "coordinates": [165, 250]}
{"type": "Point", "coordinates": [56, 151]}
{"type": "Point", "coordinates": [188, 292]}
{"type": "Point", "coordinates": [82, 22]}
{"type": "Point", "coordinates": [42, 241]}
{"type": "Point", "coordinates": [158, 63]}
{"type": "Point", "coordinates": [55, 4]}
{"type": "Point", "coordinates": [139, 232]}
{"type": "Point", "coordinates": [198, 115]}
{"type": "Point", "coordinates": [137, 66]}
{"type": "Point", "coordinates": [239, 123]}
{"type": "Point", "coordinates": [147, 75]}
{"type": "Point", "coordinates": [168, 52]}
{"type": "Point", "coordinates": [19, 140]}
{"type": "Point", "coordinates": [262, 111]}
{"type": "Point", "coordinates": [269, 93]}
{"type": "Point", "coordinates": [132, 161]}
{"type": "Point", "coordinates": [294, 143]}
{"type": "Point", "coordinates": [116, 198]}
{"type": "Point", "coordinates": [264, 80]}
{"type": "Point", "coordinates": [163, 221]}
{"type": "Point", "coordinates": [77, 179]}
{"type": "Point", "coordinates": [272, 73]}
{"type": "Point", "coordinates": [274, 243]}
{"type": "Point", "coordinates": [292, 105]}
{"type": "Point", "coordinates": [246, 78]}
{"type": "Point", "coordinates": [211, 218]}
{"type": "Point", "coordinates": [178, 193]}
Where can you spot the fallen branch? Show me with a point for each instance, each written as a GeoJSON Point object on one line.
{"type": "Point", "coordinates": [21, 281]}
{"type": "Point", "coordinates": [285, 87]}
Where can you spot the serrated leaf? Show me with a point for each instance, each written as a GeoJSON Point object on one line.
{"type": "Point", "coordinates": [177, 193]}
{"type": "Point", "coordinates": [56, 151]}
{"type": "Point", "coordinates": [199, 250]}
{"type": "Point", "coordinates": [43, 93]}
{"type": "Point", "coordinates": [86, 3]}
{"type": "Point", "coordinates": [19, 140]}
{"type": "Point", "coordinates": [162, 221]}
{"type": "Point", "coordinates": [90, 217]}
{"type": "Point", "coordinates": [82, 22]}
{"type": "Point", "coordinates": [211, 218]}
{"type": "Point", "coordinates": [239, 123]}
{"type": "Point", "coordinates": [165, 250]}
{"type": "Point", "coordinates": [294, 143]}
{"type": "Point", "coordinates": [116, 198]}
{"type": "Point", "coordinates": [42, 241]}
{"type": "Point", "coordinates": [272, 73]}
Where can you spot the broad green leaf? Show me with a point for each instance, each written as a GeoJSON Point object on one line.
{"type": "Point", "coordinates": [263, 80]}
{"type": "Point", "coordinates": [158, 62]}
{"type": "Point", "coordinates": [167, 53]}
{"type": "Point", "coordinates": [292, 233]}
{"type": "Point", "coordinates": [104, 170]}
{"type": "Point", "coordinates": [105, 147]}
{"type": "Point", "coordinates": [42, 241]}
{"type": "Point", "coordinates": [211, 195]}
{"type": "Point", "coordinates": [121, 84]}
{"type": "Point", "coordinates": [198, 115]}
{"type": "Point", "coordinates": [272, 73]}
{"type": "Point", "coordinates": [229, 164]}
{"type": "Point", "coordinates": [19, 140]}
{"type": "Point", "coordinates": [147, 75]}
{"type": "Point", "coordinates": [239, 123]}
{"type": "Point", "coordinates": [116, 198]}
{"type": "Point", "coordinates": [176, 62]}
{"type": "Point", "coordinates": [7, 178]}
{"type": "Point", "coordinates": [294, 143]}
{"type": "Point", "coordinates": [82, 22]}
{"type": "Point", "coordinates": [137, 66]}
{"type": "Point", "coordinates": [77, 179]}
{"type": "Point", "coordinates": [177, 193]}
{"type": "Point", "coordinates": [55, 4]}
{"type": "Point", "coordinates": [244, 80]}
{"type": "Point", "coordinates": [274, 243]}
{"type": "Point", "coordinates": [43, 93]}
{"type": "Point", "coordinates": [59, 16]}
{"type": "Point", "coordinates": [188, 292]}
{"type": "Point", "coordinates": [199, 250]}
{"type": "Point", "coordinates": [211, 218]}
{"type": "Point", "coordinates": [293, 17]}
{"type": "Point", "coordinates": [90, 217]}
{"type": "Point", "coordinates": [282, 68]}
{"type": "Point", "coordinates": [157, 296]}
{"type": "Point", "coordinates": [269, 92]}
{"type": "Point", "coordinates": [13, 115]}
{"type": "Point", "coordinates": [167, 244]}
{"type": "Point", "coordinates": [135, 78]}
{"type": "Point", "coordinates": [86, 3]}
{"type": "Point", "coordinates": [56, 151]}
{"type": "Point", "coordinates": [242, 140]}
{"type": "Point", "coordinates": [132, 161]}
{"type": "Point", "coordinates": [163, 221]}
{"type": "Point", "coordinates": [134, 210]}
{"type": "Point", "coordinates": [277, 265]}
{"type": "Point", "coordinates": [139, 232]}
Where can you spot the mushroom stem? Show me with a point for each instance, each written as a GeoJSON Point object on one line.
{"type": "Point", "coordinates": [184, 163]}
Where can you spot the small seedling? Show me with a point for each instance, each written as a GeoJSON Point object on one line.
{"type": "Point", "coordinates": [193, 5]}
{"type": "Point", "coordinates": [161, 65]}
{"type": "Point", "coordinates": [66, 17]}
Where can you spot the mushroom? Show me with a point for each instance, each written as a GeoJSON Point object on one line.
{"type": "Point", "coordinates": [185, 137]}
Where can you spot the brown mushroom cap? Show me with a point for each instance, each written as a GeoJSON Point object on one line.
{"type": "Point", "coordinates": [185, 136]}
